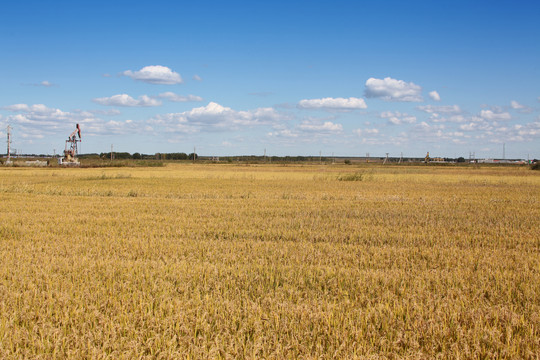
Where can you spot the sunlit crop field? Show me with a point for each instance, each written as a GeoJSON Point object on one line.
{"type": "Point", "coordinates": [265, 261]}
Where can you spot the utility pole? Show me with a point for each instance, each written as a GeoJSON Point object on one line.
{"type": "Point", "coordinates": [504, 151]}
{"type": "Point", "coordinates": [367, 157]}
{"type": "Point", "coordinates": [265, 155]}
{"type": "Point", "coordinates": [8, 144]}
{"type": "Point", "coordinates": [112, 152]}
{"type": "Point", "coordinates": [386, 159]}
{"type": "Point", "coordinates": [194, 154]}
{"type": "Point", "coordinates": [320, 156]}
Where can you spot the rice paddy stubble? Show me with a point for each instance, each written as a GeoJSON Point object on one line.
{"type": "Point", "coordinates": [269, 262]}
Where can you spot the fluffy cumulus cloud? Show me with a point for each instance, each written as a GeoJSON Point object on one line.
{"type": "Point", "coordinates": [435, 96]}
{"type": "Point", "coordinates": [215, 117]}
{"type": "Point", "coordinates": [38, 120]}
{"type": "Point", "coordinates": [495, 116]}
{"type": "Point", "coordinates": [127, 101]}
{"type": "Point", "coordinates": [179, 98]}
{"type": "Point", "coordinates": [337, 104]}
{"type": "Point", "coordinates": [398, 118]}
{"type": "Point", "coordinates": [390, 89]}
{"type": "Point", "coordinates": [155, 74]}
{"type": "Point", "coordinates": [37, 114]}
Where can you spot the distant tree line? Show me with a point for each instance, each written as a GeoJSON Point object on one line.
{"type": "Point", "coordinates": [139, 156]}
{"type": "Point", "coordinates": [256, 158]}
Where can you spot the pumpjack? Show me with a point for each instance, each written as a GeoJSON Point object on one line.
{"type": "Point", "coordinates": [71, 151]}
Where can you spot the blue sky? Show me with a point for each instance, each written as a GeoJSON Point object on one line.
{"type": "Point", "coordinates": [239, 77]}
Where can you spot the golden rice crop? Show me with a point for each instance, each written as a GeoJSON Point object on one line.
{"type": "Point", "coordinates": [231, 261]}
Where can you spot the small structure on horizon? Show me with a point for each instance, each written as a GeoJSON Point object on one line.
{"type": "Point", "coordinates": [8, 161]}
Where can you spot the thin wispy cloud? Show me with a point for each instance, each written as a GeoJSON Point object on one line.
{"type": "Point", "coordinates": [520, 107]}
{"type": "Point", "coordinates": [440, 109]}
{"type": "Point", "coordinates": [44, 83]}
{"type": "Point", "coordinates": [179, 98]}
{"type": "Point", "coordinates": [326, 126]}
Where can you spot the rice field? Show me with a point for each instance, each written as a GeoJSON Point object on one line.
{"type": "Point", "coordinates": [220, 261]}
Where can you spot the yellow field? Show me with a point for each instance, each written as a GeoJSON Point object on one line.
{"type": "Point", "coordinates": [274, 262]}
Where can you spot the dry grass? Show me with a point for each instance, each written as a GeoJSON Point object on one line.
{"type": "Point", "coordinates": [223, 261]}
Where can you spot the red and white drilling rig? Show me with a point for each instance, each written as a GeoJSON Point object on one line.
{"type": "Point", "coordinates": [71, 152]}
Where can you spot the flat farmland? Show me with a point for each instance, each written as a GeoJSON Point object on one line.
{"type": "Point", "coordinates": [267, 261]}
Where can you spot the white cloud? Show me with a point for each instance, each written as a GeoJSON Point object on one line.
{"type": "Point", "coordinates": [516, 133]}
{"type": "Point", "coordinates": [19, 107]}
{"type": "Point", "coordinates": [197, 77]}
{"type": "Point", "coordinates": [109, 112]}
{"type": "Point", "coordinates": [443, 113]}
{"type": "Point", "coordinates": [436, 133]}
{"type": "Point", "coordinates": [155, 74]}
{"type": "Point", "coordinates": [43, 83]}
{"type": "Point", "coordinates": [442, 109]}
{"type": "Point", "coordinates": [326, 126]}
{"type": "Point", "coordinates": [393, 90]}
{"type": "Point", "coordinates": [477, 124]}
{"type": "Point", "coordinates": [516, 106]}
{"type": "Point", "coordinates": [313, 130]}
{"type": "Point", "coordinates": [283, 133]}
{"type": "Point", "coordinates": [127, 101]}
{"type": "Point", "coordinates": [39, 121]}
{"type": "Point", "coordinates": [397, 118]}
{"type": "Point", "coordinates": [519, 107]}
{"type": "Point", "coordinates": [37, 114]}
{"type": "Point", "coordinates": [372, 136]}
{"type": "Point", "coordinates": [362, 132]}
{"type": "Point", "coordinates": [112, 127]}
{"type": "Point", "coordinates": [215, 117]}
{"type": "Point", "coordinates": [338, 104]}
{"type": "Point", "coordinates": [435, 96]}
{"type": "Point", "coordinates": [179, 98]}
{"type": "Point", "coordinates": [495, 116]}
